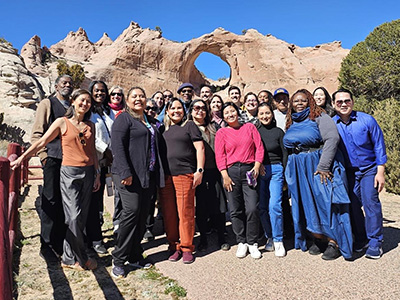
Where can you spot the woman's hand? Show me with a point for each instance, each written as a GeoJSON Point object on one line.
{"type": "Point", "coordinates": [256, 169]}
{"type": "Point", "coordinates": [197, 178]}
{"type": "Point", "coordinates": [323, 176]}
{"type": "Point", "coordinates": [127, 181]}
{"type": "Point", "coordinates": [97, 183]}
{"type": "Point", "coordinates": [228, 183]}
{"type": "Point", "coordinates": [16, 163]}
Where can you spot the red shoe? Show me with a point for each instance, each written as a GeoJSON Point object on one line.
{"type": "Point", "coordinates": [188, 257]}
{"type": "Point", "coordinates": [176, 256]}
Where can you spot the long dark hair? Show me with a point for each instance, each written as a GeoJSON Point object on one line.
{"type": "Point", "coordinates": [207, 119]}
{"type": "Point", "coordinates": [269, 105]}
{"type": "Point", "coordinates": [328, 101]}
{"type": "Point", "coordinates": [104, 106]}
{"type": "Point", "coordinates": [315, 110]}
{"type": "Point", "coordinates": [167, 120]}
{"type": "Point", "coordinates": [209, 128]}
{"type": "Point", "coordinates": [71, 110]}
{"type": "Point", "coordinates": [270, 96]}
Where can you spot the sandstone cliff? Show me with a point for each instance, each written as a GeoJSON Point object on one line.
{"type": "Point", "coordinates": [19, 89]}
{"type": "Point", "coordinates": [142, 57]}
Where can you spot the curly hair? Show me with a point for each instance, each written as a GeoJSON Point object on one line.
{"type": "Point", "coordinates": [315, 110]}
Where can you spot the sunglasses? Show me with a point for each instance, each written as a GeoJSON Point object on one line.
{"type": "Point", "coordinates": [167, 96]}
{"type": "Point", "coordinates": [198, 108]}
{"type": "Point", "coordinates": [116, 94]}
{"type": "Point", "coordinates": [187, 91]}
{"type": "Point", "coordinates": [151, 108]}
{"type": "Point", "coordinates": [340, 102]}
{"type": "Point", "coordinates": [82, 138]}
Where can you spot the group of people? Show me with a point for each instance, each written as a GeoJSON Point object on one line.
{"type": "Point", "coordinates": [202, 156]}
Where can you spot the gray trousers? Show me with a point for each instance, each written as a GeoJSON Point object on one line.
{"type": "Point", "coordinates": [76, 185]}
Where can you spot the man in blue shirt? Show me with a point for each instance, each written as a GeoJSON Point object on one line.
{"type": "Point", "coordinates": [364, 149]}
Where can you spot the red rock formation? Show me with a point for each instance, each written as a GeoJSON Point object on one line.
{"type": "Point", "coordinates": [143, 57]}
{"type": "Point", "coordinates": [104, 41]}
{"type": "Point", "coordinates": [76, 46]}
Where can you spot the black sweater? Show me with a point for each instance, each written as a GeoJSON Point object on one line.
{"type": "Point", "coordinates": [130, 140]}
{"type": "Point", "coordinates": [274, 152]}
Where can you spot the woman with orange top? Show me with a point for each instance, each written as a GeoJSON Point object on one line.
{"type": "Point", "coordinates": [79, 175]}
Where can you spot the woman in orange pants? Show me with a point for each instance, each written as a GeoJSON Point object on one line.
{"type": "Point", "coordinates": [185, 156]}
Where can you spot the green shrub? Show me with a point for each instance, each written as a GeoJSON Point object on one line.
{"type": "Point", "coordinates": [386, 113]}
{"type": "Point", "coordinates": [371, 71]}
{"type": "Point", "coordinates": [372, 67]}
{"type": "Point", "coordinates": [363, 104]}
{"type": "Point", "coordinates": [76, 71]}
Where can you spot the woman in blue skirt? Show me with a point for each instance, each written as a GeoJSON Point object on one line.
{"type": "Point", "coordinates": [316, 179]}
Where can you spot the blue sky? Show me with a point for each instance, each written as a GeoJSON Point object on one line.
{"type": "Point", "coordinates": [304, 23]}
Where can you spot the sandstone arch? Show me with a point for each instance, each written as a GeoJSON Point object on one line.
{"type": "Point", "coordinates": [194, 75]}
{"type": "Point", "coordinates": [143, 57]}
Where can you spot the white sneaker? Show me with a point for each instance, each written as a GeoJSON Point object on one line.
{"type": "Point", "coordinates": [269, 246]}
{"type": "Point", "coordinates": [254, 252]}
{"type": "Point", "coordinates": [241, 250]}
{"type": "Point", "coordinates": [279, 249]}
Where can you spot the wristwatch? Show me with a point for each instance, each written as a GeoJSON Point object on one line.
{"type": "Point", "coordinates": [200, 170]}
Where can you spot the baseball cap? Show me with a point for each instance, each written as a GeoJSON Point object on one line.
{"type": "Point", "coordinates": [281, 91]}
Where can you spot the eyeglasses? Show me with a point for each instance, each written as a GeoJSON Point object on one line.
{"type": "Point", "coordinates": [151, 108]}
{"type": "Point", "coordinates": [116, 94]}
{"type": "Point", "coordinates": [82, 138]}
{"type": "Point", "coordinates": [187, 91]}
{"type": "Point", "coordinates": [167, 96]}
{"type": "Point", "coordinates": [340, 102]}
{"type": "Point", "coordinates": [198, 108]}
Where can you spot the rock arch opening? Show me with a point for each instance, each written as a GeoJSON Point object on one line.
{"type": "Point", "coordinates": [214, 70]}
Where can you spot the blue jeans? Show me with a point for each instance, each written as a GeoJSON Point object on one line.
{"type": "Point", "coordinates": [364, 194]}
{"type": "Point", "coordinates": [270, 204]}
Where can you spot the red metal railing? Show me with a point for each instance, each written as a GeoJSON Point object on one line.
{"type": "Point", "coordinates": [10, 185]}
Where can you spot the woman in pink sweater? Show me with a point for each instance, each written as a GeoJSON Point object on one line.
{"type": "Point", "coordinates": [239, 153]}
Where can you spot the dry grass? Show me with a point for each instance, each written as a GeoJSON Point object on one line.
{"type": "Point", "coordinates": [37, 278]}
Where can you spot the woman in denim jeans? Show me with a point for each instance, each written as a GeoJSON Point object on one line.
{"type": "Point", "coordinates": [271, 184]}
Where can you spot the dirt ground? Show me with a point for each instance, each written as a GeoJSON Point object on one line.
{"type": "Point", "coordinates": [215, 274]}
{"type": "Point", "coordinates": [38, 277]}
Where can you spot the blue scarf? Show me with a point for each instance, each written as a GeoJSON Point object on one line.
{"type": "Point", "coordinates": [301, 116]}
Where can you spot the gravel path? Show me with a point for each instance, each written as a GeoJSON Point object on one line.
{"type": "Point", "coordinates": [220, 275]}
{"type": "Point", "coordinates": [216, 274]}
